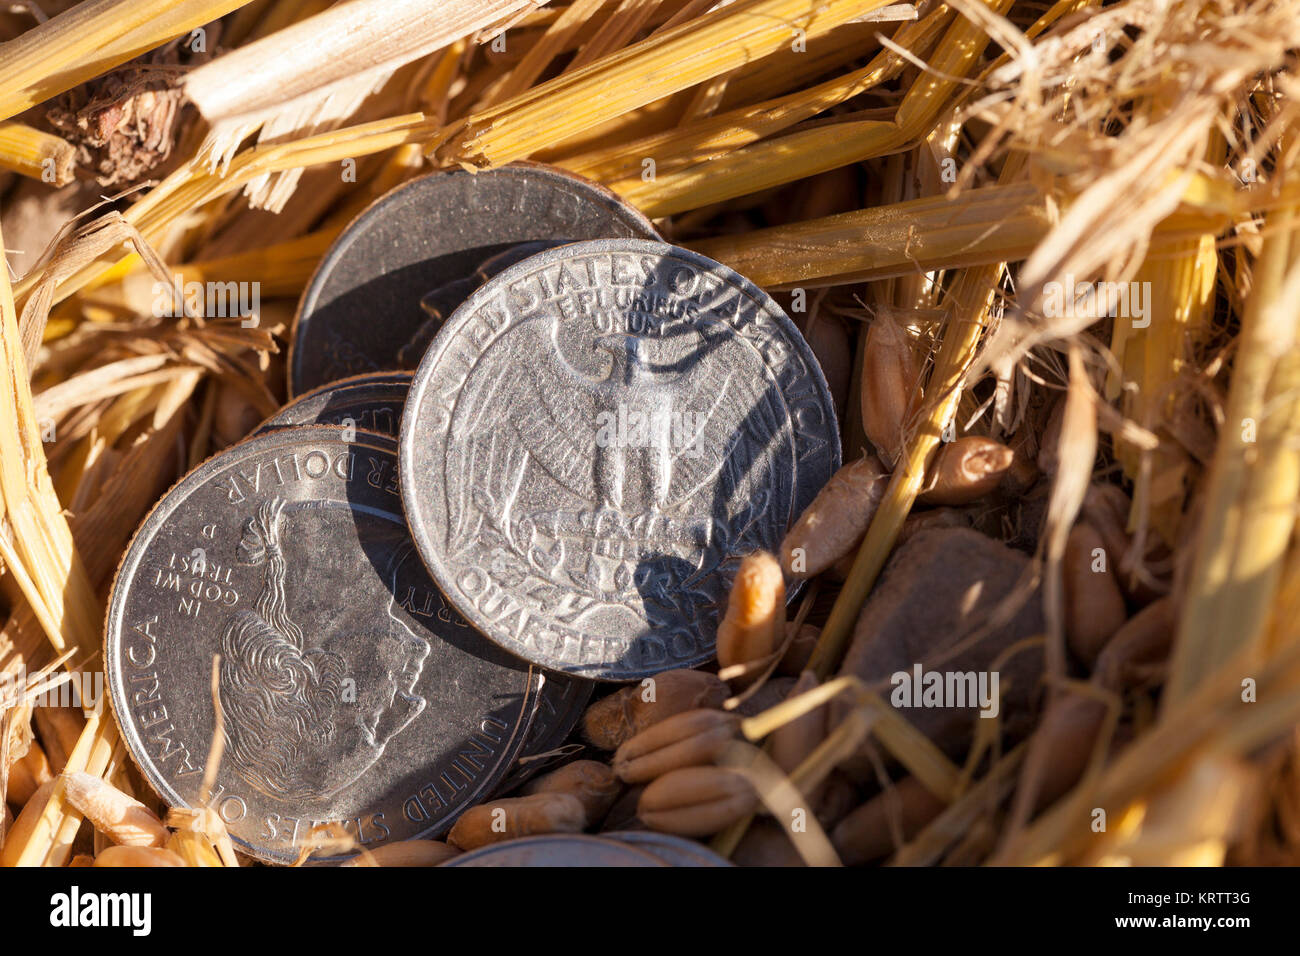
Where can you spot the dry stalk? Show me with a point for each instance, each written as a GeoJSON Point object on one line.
{"type": "Point", "coordinates": [784, 798]}
{"type": "Point", "coordinates": [662, 64]}
{"type": "Point", "coordinates": [1250, 499]}
{"type": "Point", "coordinates": [36, 154]}
{"type": "Point", "coordinates": [716, 136]}
{"type": "Point", "coordinates": [928, 846]}
{"type": "Point", "coordinates": [912, 748]}
{"type": "Point", "coordinates": [1078, 447]}
{"type": "Point", "coordinates": [971, 298]}
{"type": "Point", "coordinates": [1211, 716]}
{"type": "Point", "coordinates": [91, 38]}
{"type": "Point", "coordinates": [315, 73]}
{"type": "Point", "coordinates": [820, 149]}
{"type": "Point", "coordinates": [56, 582]}
{"type": "Point", "coordinates": [189, 188]}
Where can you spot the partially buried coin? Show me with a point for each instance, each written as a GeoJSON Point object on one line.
{"type": "Point", "coordinates": [349, 692]}
{"type": "Point", "coordinates": [595, 439]}
{"type": "Point", "coordinates": [558, 850]}
{"type": "Point", "coordinates": [368, 402]}
{"type": "Point", "coordinates": [362, 305]}
{"type": "Point", "coordinates": [673, 850]}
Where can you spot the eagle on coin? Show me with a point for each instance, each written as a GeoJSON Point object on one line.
{"type": "Point", "coordinates": [646, 444]}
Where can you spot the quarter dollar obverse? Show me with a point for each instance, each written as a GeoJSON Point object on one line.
{"type": "Point", "coordinates": [595, 439]}
{"type": "Point", "coordinates": [350, 693]}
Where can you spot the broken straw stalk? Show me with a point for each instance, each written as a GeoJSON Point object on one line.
{"type": "Point", "coordinates": [91, 38]}
{"type": "Point", "coordinates": [36, 154]}
{"type": "Point", "coordinates": [661, 64]}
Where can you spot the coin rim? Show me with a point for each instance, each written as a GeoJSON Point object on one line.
{"type": "Point", "coordinates": [365, 379]}
{"type": "Point", "coordinates": [520, 774]}
{"type": "Point", "coordinates": [587, 838]}
{"type": "Point", "coordinates": [339, 247]}
{"type": "Point", "coordinates": [650, 841]}
{"type": "Point", "coordinates": [408, 439]}
{"type": "Point", "coordinates": [116, 611]}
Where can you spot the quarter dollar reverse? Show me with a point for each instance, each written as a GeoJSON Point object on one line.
{"type": "Point", "coordinates": [595, 439]}
{"type": "Point", "coordinates": [350, 693]}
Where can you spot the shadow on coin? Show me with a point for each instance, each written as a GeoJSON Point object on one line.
{"type": "Point", "coordinates": [341, 410]}
{"type": "Point", "coordinates": [393, 298]}
{"type": "Point", "coordinates": [447, 685]}
{"type": "Point", "coordinates": [734, 533]}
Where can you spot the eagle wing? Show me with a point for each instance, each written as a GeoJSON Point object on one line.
{"type": "Point", "coordinates": [511, 412]}
{"type": "Point", "coordinates": [726, 382]}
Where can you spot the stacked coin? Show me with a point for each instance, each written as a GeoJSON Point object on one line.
{"type": "Point", "coordinates": [392, 600]}
{"type": "Point", "coordinates": [631, 848]}
{"type": "Point", "coordinates": [425, 240]}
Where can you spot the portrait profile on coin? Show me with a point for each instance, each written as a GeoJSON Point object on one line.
{"type": "Point", "coordinates": [305, 715]}
{"type": "Point", "coordinates": [348, 692]}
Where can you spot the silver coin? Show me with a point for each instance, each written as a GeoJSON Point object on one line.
{"type": "Point", "coordinates": [350, 692]}
{"type": "Point", "coordinates": [557, 850]}
{"type": "Point", "coordinates": [673, 850]}
{"type": "Point", "coordinates": [374, 403]}
{"type": "Point", "coordinates": [594, 440]}
{"type": "Point", "coordinates": [439, 304]}
{"type": "Point", "coordinates": [362, 304]}
{"type": "Point", "coordinates": [371, 403]}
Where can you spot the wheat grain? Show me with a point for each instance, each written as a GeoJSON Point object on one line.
{"type": "Point", "coordinates": [688, 739]}
{"type": "Point", "coordinates": [512, 817]}
{"type": "Point", "coordinates": [123, 819]}
{"type": "Point", "coordinates": [696, 801]}
{"type": "Point", "coordinates": [593, 784]}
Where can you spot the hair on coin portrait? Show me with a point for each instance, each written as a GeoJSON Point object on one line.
{"type": "Point", "coordinates": [313, 682]}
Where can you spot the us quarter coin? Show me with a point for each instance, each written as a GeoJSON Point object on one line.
{"type": "Point", "coordinates": [362, 305]}
{"type": "Point", "coordinates": [374, 403]}
{"type": "Point", "coordinates": [595, 439]}
{"type": "Point", "coordinates": [557, 850]}
{"type": "Point", "coordinates": [369, 402]}
{"type": "Point", "coordinates": [350, 692]}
